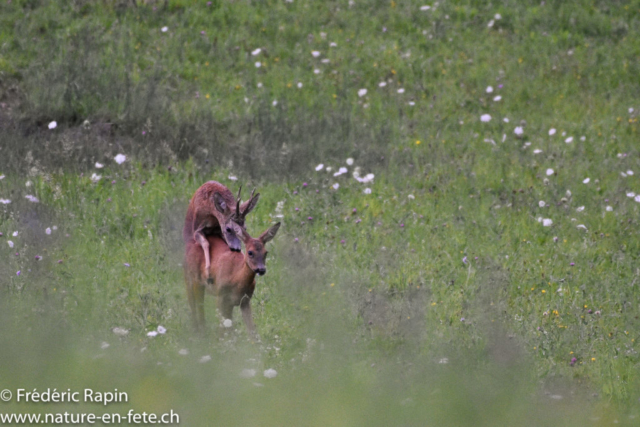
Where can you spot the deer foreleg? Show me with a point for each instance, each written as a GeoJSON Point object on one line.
{"type": "Point", "coordinates": [247, 316]}
{"type": "Point", "coordinates": [204, 243]}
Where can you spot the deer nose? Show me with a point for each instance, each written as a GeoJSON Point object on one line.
{"type": "Point", "coordinates": [261, 271]}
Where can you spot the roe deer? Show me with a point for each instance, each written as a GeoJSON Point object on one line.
{"type": "Point", "coordinates": [232, 273]}
{"type": "Point", "coordinates": [213, 210]}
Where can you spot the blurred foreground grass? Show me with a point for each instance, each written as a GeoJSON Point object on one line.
{"type": "Point", "coordinates": [485, 275]}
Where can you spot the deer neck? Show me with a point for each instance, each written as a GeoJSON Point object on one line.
{"type": "Point", "coordinates": [246, 273]}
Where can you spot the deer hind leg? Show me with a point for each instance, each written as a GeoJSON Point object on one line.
{"type": "Point", "coordinates": [191, 281]}
{"type": "Point", "coordinates": [198, 296]}
{"type": "Point", "coordinates": [204, 243]}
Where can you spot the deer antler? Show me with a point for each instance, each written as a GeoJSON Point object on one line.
{"type": "Point", "coordinates": [238, 202]}
{"type": "Point", "coordinates": [249, 204]}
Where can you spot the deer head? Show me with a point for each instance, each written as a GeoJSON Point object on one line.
{"type": "Point", "coordinates": [237, 216]}
{"type": "Point", "coordinates": [255, 252]}
{"type": "Point", "coordinates": [226, 222]}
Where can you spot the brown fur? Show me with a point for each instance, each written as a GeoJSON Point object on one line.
{"type": "Point", "coordinates": [232, 273]}
{"type": "Point", "coordinates": [211, 211]}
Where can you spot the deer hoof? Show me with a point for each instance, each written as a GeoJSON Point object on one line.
{"type": "Point", "coordinates": [209, 281]}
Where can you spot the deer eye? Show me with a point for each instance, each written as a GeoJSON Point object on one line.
{"type": "Point", "coordinates": [250, 253]}
{"type": "Point", "coordinates": [228, 229]}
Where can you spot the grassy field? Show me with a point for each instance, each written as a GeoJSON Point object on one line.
{"type": "Point", "coordinates": [485, 273]}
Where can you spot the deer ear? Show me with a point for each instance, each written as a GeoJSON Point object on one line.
{"type": "Point", "coordinates": [270, 233]}
{"type": "Point", "coordinates": [248, 206]}
{"type": "Point", "coordinates": [240, 232]}
{"type": "Point", "coordinates": [220, 204]}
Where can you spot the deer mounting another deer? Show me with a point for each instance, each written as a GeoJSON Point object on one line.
{"type": "Point", "coordinates": [232, 273]}
{"type": "Point", "coordinates": [214, 210]}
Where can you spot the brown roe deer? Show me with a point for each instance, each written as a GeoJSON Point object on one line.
{"type": "Point", "coordinates": [232, 273]}
{"type": "Point", "coordinates": [213, 210]}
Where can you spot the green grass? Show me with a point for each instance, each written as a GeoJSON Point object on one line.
{"type": "Point", "coordinates": [366, 295]}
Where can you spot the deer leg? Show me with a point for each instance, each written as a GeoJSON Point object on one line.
{"type": "Point", "coordinates": [224, 307]}
{"type": "Point", "coordinates": [192, 301]}
{"type": "Point", "coordinates": [197, 304]}
{"type": "Point", "coordinates": [247, 316]}
{"type": "Point", "coordinates": [204, 243]}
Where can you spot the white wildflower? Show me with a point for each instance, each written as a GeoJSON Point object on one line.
{"type": "Point", "coordinates": [248, 373]}
{"type": "Point", "coordinates": [362, 92]}
{"type": "Point", "coordinates": [256, 51]}
{"type": "Point", "coordinates": [485, 118]}
{"type": "Point", "coordinates": [569, 140]}
{"type": "Point", "coordinates": [489, 89]}
{"type": "Point", "coordinates": [227, 323]}
{"type": "Point", "coordinates": [550, 172]}
{"type": "Point", "coordinates": [121, 332]}
{"type": "Point", "coordinates": [319, 167]}
{"type": "Point", "coordinates": [53, 125]}
{"type": "Point", "coordinates": [367, 191]}
{"type": "Point", "coordinates": [162, 329]}
{"type": "Point", "coordinates": [270, 373]}
{"type": "Point", "coordinates": [120, 158]}
{"type": "Point", "coordinates": [586, 180]}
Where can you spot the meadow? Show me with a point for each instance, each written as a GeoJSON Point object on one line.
{"type": "Point", "coordinates": [457, 183]}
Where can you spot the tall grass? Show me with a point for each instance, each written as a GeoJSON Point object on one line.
{"type": "Point", "coordinates": [439, 297]}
